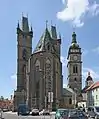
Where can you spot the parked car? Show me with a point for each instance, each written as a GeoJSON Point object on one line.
{"type": "Point", "coordinates": [44, 112]}
{"type": "Point", "coordinates": [78, 114]}
{"type": "Point", "coordinates": [93, 112]}
{"type": "Point", "coordinates": [23, 109]}
{"type": "Point", "coordinates": [61, 114]}
{"type": "Point", "coordinates": [35, 112]}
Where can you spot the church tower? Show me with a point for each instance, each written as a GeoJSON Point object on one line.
{"type": "Point", "coordinates": [24, 51]}
{"type": "Point", "coordinates": [74, 66]}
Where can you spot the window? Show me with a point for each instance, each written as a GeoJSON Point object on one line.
{"type": "Point", "coordinates": [48, 47]}
{"type": "Point", "coordinates": [96, 96]}
{"type": "Point", "coordinates": [96, 89]}
{"type": "Point", "coordinates": [75, 69]}
{"type": "Point", "coordinates": [75, 79]}
{"type": "Point", "coordinates": [70, 101]}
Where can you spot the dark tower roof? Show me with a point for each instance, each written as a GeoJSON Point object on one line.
{"type": "Point", "coordinates": [74, 38]}
{"type": "Point", "coordinates": [43, 41]}
{"type": "Point", "coordinates": [25, 26]}
{"type": "Point", "coordinates": [53, 32]}
{"type": "Point", "coordinates": [74, 41]}
{"type": "Point", "coordinates": [89, 78]}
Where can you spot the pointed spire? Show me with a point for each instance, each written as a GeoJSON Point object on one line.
{"type": "Point", "coordinates": [46, 23]}
{"type": "Point", "coordinates": [25, 26]}
{"type": "Point", "coordinates": [74, 38]}
{"type": "Point", "coordinates": [59, 35]}
{"type": "Point", "coordinates": [74, 35]}
{"type": "Point", "coordinates": [88, 73]}
{"type": "Point", "coordinates": [18, 26]}
{"type": "Point", "coordinates": [53, 31]}
{"type": "Point", "coordinates": [31, 27]}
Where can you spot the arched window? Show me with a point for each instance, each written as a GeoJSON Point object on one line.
{"type": "Point", "coordinates": [70, 101]}
{"type": "Point", "coordinates": [69, 86]}
{"type": "Point", "coordinates": [75, 69]}
{"type": "Point", "coordinates": [48, 47]}
{"type": "Point", "coordinates": [75, 79]}
{"type": "Point", "coordinates": [48, 74]}
{"type": "Point", "coordinates": [37, 65]}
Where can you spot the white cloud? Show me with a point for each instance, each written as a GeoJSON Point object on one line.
{"type": "Point", "coordinates": [96, 50]}
{"type": "Point", "coordinates": [94, 74]}
{"type": "Point", "coordinates": [75, 10]}
{"type": "Point", "coordinates": [64, 61]}
{"type": "Point", "coordinates": [63, 1]}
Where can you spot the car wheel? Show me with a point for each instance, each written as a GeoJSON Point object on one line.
{"type": "Point", "coordinates": [96, 117]}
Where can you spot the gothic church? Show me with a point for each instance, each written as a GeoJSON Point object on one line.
{"type": "Point", "coordinates": [40, 72]}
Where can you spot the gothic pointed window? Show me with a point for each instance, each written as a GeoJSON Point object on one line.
{"type": "Point", "coordinates": [48, 74]}
{"type": "Point", "coordinates": [75, 69]}
{"type": "Point", "coordinates": [24, 55]}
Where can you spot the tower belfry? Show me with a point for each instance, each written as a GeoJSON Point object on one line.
{"type": "Point", "coordinates": [24, 51]}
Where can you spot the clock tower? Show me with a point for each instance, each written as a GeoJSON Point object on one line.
{"type": "Point", "coordinates": [74, 66]}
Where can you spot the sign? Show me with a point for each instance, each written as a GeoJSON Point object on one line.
{"type": "Point", "coordinates": [50, 96]}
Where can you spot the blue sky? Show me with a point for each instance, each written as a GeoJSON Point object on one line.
{"type": "Point", "coordinates": [82, 14]}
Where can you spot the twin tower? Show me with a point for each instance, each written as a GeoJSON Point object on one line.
{"type": "Point", "coordinates": [40, 72]}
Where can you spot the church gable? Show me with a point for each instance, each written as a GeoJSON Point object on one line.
{"type": "Point", "coordinates": [44, 41]}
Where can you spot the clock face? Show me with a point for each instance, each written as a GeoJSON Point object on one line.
{"type": "Point", "coordinates": [75, 57]}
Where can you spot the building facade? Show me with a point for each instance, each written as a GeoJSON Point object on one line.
{"type": "Point", "coordinates": [45, 71]}
{"type": "Point", "coordinates": [93, 95]}
{"type": "Point", "coordinates": [40, 72]}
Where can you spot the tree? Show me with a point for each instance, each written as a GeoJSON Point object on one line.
{"type": "Point", "coordinates": [1, 98]}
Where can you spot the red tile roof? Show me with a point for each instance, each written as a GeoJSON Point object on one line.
{"type": "Point", "coordinates": [93, 86]}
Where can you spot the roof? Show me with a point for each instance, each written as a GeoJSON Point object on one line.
{"type": "Point", "coordinates": [43, 41]}
{"type": "Point", "coordinates": [93, 86]}
{"type": "Point", "coordinates": [68, 91]}
{"type": "Point", "coordinates": [84, 89]}
{"type": "Point", "coordinates": [89, 78]}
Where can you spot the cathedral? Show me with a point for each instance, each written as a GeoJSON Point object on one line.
{"type": "Point", "coordinates": [39, 73]}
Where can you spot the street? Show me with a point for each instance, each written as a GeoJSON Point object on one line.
{"type": "Point", "coordinates": [15, 116]}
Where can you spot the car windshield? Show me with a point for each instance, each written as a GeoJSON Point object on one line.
{"type": "Point", "coordinates": [72, 111]}
{"type": "Point", "coordinates": [97, 109]}
{"type": "Point", "coordinates": [62, 111]}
